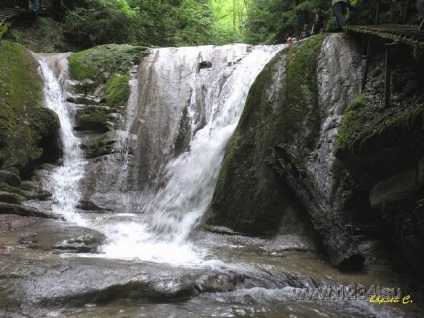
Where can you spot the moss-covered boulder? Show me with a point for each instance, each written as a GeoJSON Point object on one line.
{"type": "Point", "coordinates": [101, 62]}
{"type": "Point", "coordinates": [280, 162]}
{"type": "Point", "coordinates": [28, 130]}
{"type": "Point", "coordinates": [92, 118]}
{"type": "Point", "coordinates": [376, 143]}
{"type": "Point", "coordinates": [249, 198]}
{"type": "Point", "coordinates": [101, 83]}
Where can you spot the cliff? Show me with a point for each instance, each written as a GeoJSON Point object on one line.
{"type": "Point", "coordinates": [308, 142]}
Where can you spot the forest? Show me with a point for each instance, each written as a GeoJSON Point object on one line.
{"type": "Point", "coordinates": [189, 22]}
{"type": "Point", "coordinates": [80, 24]}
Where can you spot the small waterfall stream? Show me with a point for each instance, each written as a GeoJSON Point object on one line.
{"type": "Point", "coordinates": [65, 179]}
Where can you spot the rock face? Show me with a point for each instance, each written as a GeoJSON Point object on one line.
{"type": "Point", "coordinates": [281, 159]}
{"type": "Point", "coordinates": [383, 150]}
{"type": "Point", "coordinates": [28, 131]}
{"type": "Point", "coordinates": [98, 90]}
{"type": "Point", "coordinates": [420, 7]}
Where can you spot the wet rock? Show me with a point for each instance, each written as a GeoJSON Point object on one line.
{"type": "Point", "coordinates": [11, 222]}
{"type": "Point", "coordinates": [10, 197]}
{"type": "Point", "coordinates": [281, 160]}
{"type": "Point", "coordinates": [221, 230]}
{"type": "Point", "coordinates": [81, 281]}
{"type": "Point", "coordinates": [82, 244]}
{"type": "Point", "coordinates": [59, 237]}
{"type": "Point", "coordinates": [10, 178]}
{"type": "Point", "coordinates": [85, 86]}
{"type": "Point", "coordinates": [398, 189]}
{"type": "Point", "coordinates": [92, 118]}
{"type": "Point", "coordinates": [411, 236]}
{"type": "Point", "coordinates": [8, 208]}
{"type": "Point", "coordinates": [83, 100]}
{"type": "Point", "coordinates": [90, 206]}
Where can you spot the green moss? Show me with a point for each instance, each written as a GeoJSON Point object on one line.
{"type": "Point", "coordinates": [4, 28]}
{"type": "Point", "coordinates": [44, 36]}
{"type": "Point", "coordinates": [364, 123]}
{"type": "Point", "coordinates": [100, 62]}
{"type": "Point", "coordinates": [24, 122]}
{"type": "Point", "coordinates": [92, 118]}
{"type": "Point", "coordinates": [248, 197]}
{"type": "Point", "coordinates": [117, 90]}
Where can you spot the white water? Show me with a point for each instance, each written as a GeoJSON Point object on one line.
{"type": "Point", "coordinates": [170, 214]}
{"type": "Point", "coordinates": [65, 179]}
{"type": "Point", "coordinates": [160, 232]}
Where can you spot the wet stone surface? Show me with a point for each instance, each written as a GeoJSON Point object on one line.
{"type": "Point", "coordinates": [253, 278]}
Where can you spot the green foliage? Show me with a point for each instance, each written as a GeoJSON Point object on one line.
{"type": "Point", "coordinates": [100, 23]}
{"type": "Point", "coordinates": [141, 22]}
{"type": "Point", "coordinates": [117, 90]}
{"type": "Point", "coordinates": [358, 102]}
{"type": "Point", "coordinates": [274, 21]}
{"type": "Point", "coordinates": [3, 29]}
{"type": "Point", "coordinates": [45, 36]}
{"type": "Point", "coordinates": [192, 25]}
{"type": "Point", "coordinates": [102, 61]}
{"type": "Point", "coordinates": [24, 122]}
{"type": "Point", "coordinates": [229, 20]}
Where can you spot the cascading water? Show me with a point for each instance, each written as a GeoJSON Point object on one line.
{"type": "Point", "coordinates": [155, 227]}
{"type": "Point", "coordinates": [174, 88]}
{"type": "Point", "coordinates": [65, 179]}
{"type": "Point", "coordinates": [169, 214]}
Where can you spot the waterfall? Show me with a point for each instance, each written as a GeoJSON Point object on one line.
{"type": "Point", "coordinates": [65, 179]}
{"type": "Point", "coordinates": [184, 106]}
{"type": "Point", "coordinates": [191, 177]}
{"type": "Point", "coordinates": [174, 89]}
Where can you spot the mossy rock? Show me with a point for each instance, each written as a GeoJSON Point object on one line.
{"type": "Point", "coordinates": [93, 118]}
{"type": "Point", "coordinates": [99, 147]}
{"type": "Point", "coordinates": [27, 128]}
{"type": "Point", "coordinates": [117, 90]}
{"type": "Point", "coordinates": [248, 197]}
{"type": "Point", "coordinates": [375, 143]}
{"type": "Point", "coordinates": [10, 208]}
{"type": "Point", "coordinates": [3, 29]}
{"type": "Point", "coordinates": [10, 177]}
{"type": "Point", "coordinates": [10, 197]}
{"type": "Point", "coordinates": [100, 62]}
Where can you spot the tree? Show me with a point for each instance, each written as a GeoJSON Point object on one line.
{"type": "Point", "coordinates": [272, 21]}
{"type": "Point", "coordinates": [141, 22]}
{"type": "Point", "coordinates": [229, 19]}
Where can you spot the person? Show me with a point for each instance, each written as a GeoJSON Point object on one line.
{"type": "Point", "coordinates": [305, 33]}
{"type": "Point", "coordinates": [340, 9]}
{"type": "Point", "coordinates": [318, 24]}
{"type": "Point", "coordinates": [289, 41]}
